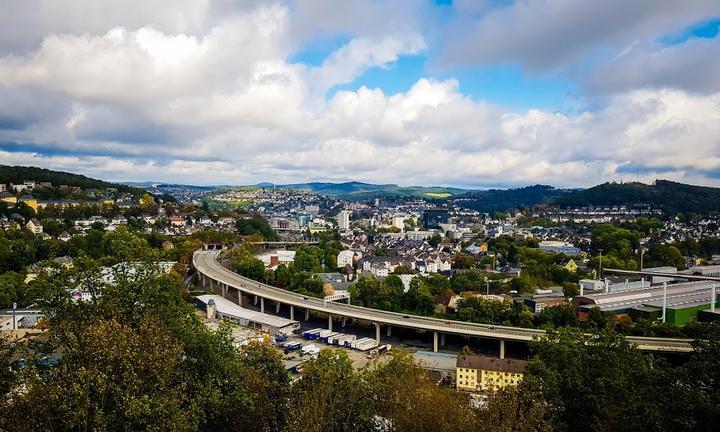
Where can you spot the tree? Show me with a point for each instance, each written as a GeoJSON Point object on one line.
{"type": "Point", "coordinates": [330, 397]}
{"type": "Point", "coordinates": [620, 384]}
{"type": "Point", "coordinates": [12, 288]}
{"type": "Point", "coordinates": [570, 289]}
{"type": "Point", "coordinates": [247, 265]}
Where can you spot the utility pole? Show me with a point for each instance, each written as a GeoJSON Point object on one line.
{"type": "Point", "coordinates": [642, 253]}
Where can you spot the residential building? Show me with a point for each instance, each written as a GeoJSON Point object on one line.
{"type": "Point", "coordinates": [570, 265]}
{"type": "Point", "coordinates": [480, 373]}
{"type": "Point", "coordinates": [347, 257]}
{"type": "Point", "coordinates": [559, 247]}
{"type": "Point", "coordinates": [343, 220]}
{"type": "Point", "coordinates": [432, 218]}
{"type": "Point", "coordinates": [8, 198]}
{"type": "Point", "coordinates": [35, 226]}
{"type": "Point", "coordinates": [30, 202]}
{"type": "Point", "coordinates": [3, 187]}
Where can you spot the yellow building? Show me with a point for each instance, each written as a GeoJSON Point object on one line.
{"type": "Point", "coordinates": [571, 266]}
{"type": "Point", "coordinates": [8, 198]}
{"type": "Point", "coordinates": [479, 373]}
{"type": "Point", "coordinates": [31, 202]}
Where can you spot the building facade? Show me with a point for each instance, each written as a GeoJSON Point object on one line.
{"type": "Point", "coordinates": [487, 374]}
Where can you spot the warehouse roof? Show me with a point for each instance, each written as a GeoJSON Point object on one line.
{"type": "Point", "coordinates": [227, 307]}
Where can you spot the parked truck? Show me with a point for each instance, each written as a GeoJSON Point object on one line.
{"type": "Point", "coordinates": [292, 346]}
{"type": "Point", "coordinates": [311, 334]}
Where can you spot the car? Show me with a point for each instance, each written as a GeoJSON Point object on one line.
{"type": "Point", "coordinates": [406, 317]}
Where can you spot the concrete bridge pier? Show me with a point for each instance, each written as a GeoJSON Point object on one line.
{"type": "Point", "coordinates": [262, 305]}
{"type": "Point", "coordinates": [307, 314]}
{"type": "Point", "coordinates": [377, 333]}
{"type": "Point", "coordinates": [277, 307]}
{"type": "Point", "coordinates": [442, 339]}
{"type": "Point", "coordinates": [255, 301]}
{"type": "Point", "coordinates": [502, 349]}
{"type": "Point", "coordinates": [292, 313]}
{"type": "Point", "coordinates": [388, 331]}
{"type": "Point", "coordinates": [435, 341]}
{"type": "Point", "coordinates": [330, 322]}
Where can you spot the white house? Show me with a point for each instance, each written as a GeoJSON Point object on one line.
{"type": "Point", "coordinates": [35, 226]}
{"type": "Point", "coordinates": [347, 257]}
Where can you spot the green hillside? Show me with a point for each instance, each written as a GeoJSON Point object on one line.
{"type": "Point", "coordinates": [362, 191]}
{"type": "Point", "coordinates": [671, 197]}
{"type": "Point", "coordinates": [507, 199]}
{"type": "Point", "coordinates": [18, 174]}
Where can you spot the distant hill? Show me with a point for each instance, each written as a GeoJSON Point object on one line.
{"type": "Point", "coordinates": [18, 174]}
{"type": "Point", "coordinates": [506, 199]}
{"type": "Point", "coordinates": [362, 191]}
{"type": "Point", "coordinates": [671, 197]}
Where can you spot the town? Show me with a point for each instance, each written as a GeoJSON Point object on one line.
{"type": "Point", "coordinates": [529, 268]}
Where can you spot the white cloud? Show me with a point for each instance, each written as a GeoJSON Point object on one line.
{"type": "Point", "coordinates": [546, 35]}
{"type": "Point", "coordinates": [223, 104]}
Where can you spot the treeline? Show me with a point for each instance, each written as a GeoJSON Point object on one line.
{"type": "Point", "coordinates": [22, 253]}
{"type": "Point", "coordinates": [494, 200]}
{"type": "Point", "coordinates": [671, 197]}
{"type": "Point", "coordinates": [139, 358]}
{"type": "Point", "coordinates": [18, 174]}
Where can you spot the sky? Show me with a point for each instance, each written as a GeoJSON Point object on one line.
{"type": "Point", "coordinates": [474, 94]}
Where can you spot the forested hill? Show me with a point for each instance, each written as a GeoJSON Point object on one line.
{"type": "Point", "coordinates": [671, 197]}
{"type": "Point", "coordinates": [505, 199]}
{"type": "Point", "coordinates": [18, 174]}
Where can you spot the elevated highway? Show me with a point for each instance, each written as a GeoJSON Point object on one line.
{"type": "Point", "coordinates": [233, 285]}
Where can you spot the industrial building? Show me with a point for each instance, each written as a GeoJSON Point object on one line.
{"type": "Point", "coordinates": [681, 301]}
{"type": "Point", "coordinates": [222, 308]}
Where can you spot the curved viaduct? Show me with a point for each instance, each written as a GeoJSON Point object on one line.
{"type": "Point", "coordinates": [231, 285]}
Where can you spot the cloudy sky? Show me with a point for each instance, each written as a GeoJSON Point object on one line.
{"type": "Point", "coordinates": [466, 93]}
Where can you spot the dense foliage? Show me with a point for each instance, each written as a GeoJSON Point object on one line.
{"type": "Point", "coordinates": [494, 200]}
{"type": "Point", "coordinates": [671, 197]}
{"type": "Point", "coordinates": [139, 358]}
{"type": "Point", "coordinates": [18, 174]}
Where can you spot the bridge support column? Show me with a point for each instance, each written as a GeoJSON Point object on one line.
{"type": "Point", "coordinates": [348, 300]}
{"type": "Point", "coordinates": [277, 307]}
{"type": "Point", "coordinates": [502, 349]}
{"type": "Point", "coordinates": [223, 288]}
{"type": "Point", "coordinates": [239, 297]}
{"type": "Point", "coordinates": [344, 320]}
{"type": "Point", "coordinates": [389, 331]}
{"type": "Point", "coordinates": [330, 322]}
{"type": "Point", "coordinates": [307, 314]}
{"type": "Point", "coordinates": [255, 301]}
{"type": "Point", "coordinates": [442, 339]}
{"type": "Point", "coordinates": [377, 333]}
{"type": "Point", "coordinates": [262, 305]}
{"type": "Point", "coordinates": [435, 341]}
{"type": "Point", "coordinates": [292, 313]}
